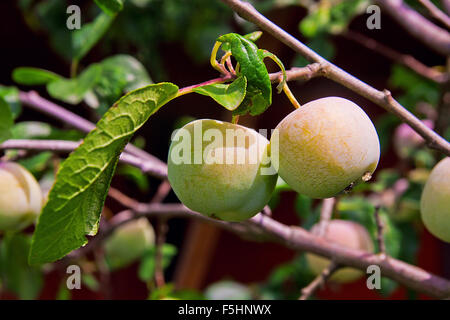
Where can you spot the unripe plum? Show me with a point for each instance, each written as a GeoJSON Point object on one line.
{"type": "Point", "coordinates": [325, 146]}
{"type": "Point", "coordinates": [20, 197]}
{"type": "Point", "coordinates": [345, 233]}
{"type": "Point", "coordinates": [228, 177]}
{"type": "Point", "coordinates": [128, 243]}
{"type": "Point", "coordinates": [435, 201]}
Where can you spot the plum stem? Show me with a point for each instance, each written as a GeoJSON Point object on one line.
{"type": "Point", "coordinates": [319, 281]}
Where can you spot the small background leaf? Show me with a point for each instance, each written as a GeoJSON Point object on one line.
{"type": "Point", "coordinates": [147, 266]}
{"type": "Point", "coordinates": [33, 76]}
{"type": "Point", "coordinates": [110, 7]}
{"type": "Point", "coordinates": [86, 37]}
{"type": "Point", "coordinates": [25, 281]}
{"type": "Point", "coordinates": [11, 96]}
{"type": "Point", "coordinates": [73, 90]}
{"type": "Point", "coordinates": [6, 120]}
{"type": "Point", "coordinates": [228, 95]}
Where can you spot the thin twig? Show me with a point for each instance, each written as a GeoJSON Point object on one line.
{"type": "Point", "coordinates": [380, 231]}
{"type": "Point", "coordinates": [319, 281]}
{"type": "Point", "coordinates": [123, 199]}
{"type": "Point", "coordinates": [418, 26]}
{"type": "Point", "coordinates": [162, 192]}
{"type": "Point", "coordinates": [436, 12]}
{"type": "Point", "coordinates": [401, 58]}
{"type": "Point", "coordinates": [331, 71]}
{"type": "Point", "coordinates": [325, 215]}
{"type": "Point", "coordinates": [161, 232]}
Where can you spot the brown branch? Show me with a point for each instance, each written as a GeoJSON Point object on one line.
{"type": "Point", "coordinates": [162, 192]}
{"type": "Point", "coordinates": [401, 58]}
{"type": "Point", "coordinates": [443, 107]}
{"type": "Point", "coordinates": [122, 198]}
{"type": "Point", "coordinates": [146, 166]}
{"type": "Point", "coordinates": [331, 71]}
{"type": "Point", "coordinates": [419, 27]}
{"type": "Point", "coordinates": [436, 12]}
{"type": "Point", "coordinates": [380, 231]}
{"type": "Point", "coordinates": [319, 281]}
{"type": "Point", "coordinates": [446, 5]}
{"type": "Point", "coordinates": [264, 228]}
{"type": "Point", "coordinates": [325, 215]}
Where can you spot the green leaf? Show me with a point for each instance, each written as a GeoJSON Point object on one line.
{"type": "Point", "coordinates": [6, 120]}
{"type": "Point", "coordinates": [33, 76]}
{"type": "Point", "coordinates": [320, 44]}
{"type": "Point", "coordinates": [20, 278]}
{"type": "Point", "coordinates": [63, 292]}
{"type": "Point", "coordinates": [416, 88]}
{"type": "Point", "coordinates": [74, 90]}
{"type": "Point", "coordinates": [303, 206]}
{"type": "Point", "coordinates": [360, 210]}
{"type": "Point", "coordinates": [37, 163]}
{"type": "Point", "coordinates": [259, 88]}
{"type": "Point", "coordinates": [253, 36]}
{"type": "Point", "coordinates": [332, 19]}
{"type": "Point", "coordinates": [90, 281]}
{"type": "Point", "coordinates": [130, 69]}
{"type": "Point", "coordinates": [77, 197]}
{"type": "Point", "coordinates": [110, 7]}
{"type": "Point", "coordinates": [85, 38]}
{"type": "Point", "coordinates": [43, 130]}
{"type": "Point", "coordinates": [11, 96]}
{"type": "Point", "coordinates": [388, 286]}
{"type": "Point", "coordinates": [139, 178]}
{"type": "Point", "coordinates": [147, 266]}
{"type": "Point", "coordinates": [120, 73]}
{"type": "Point", "coordinates": [228, 95]}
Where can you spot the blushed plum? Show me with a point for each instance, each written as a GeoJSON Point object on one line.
{"type": "Point", "coordinates": [345, 233]}
{"type": "Point", "coordinates": [325, 146]}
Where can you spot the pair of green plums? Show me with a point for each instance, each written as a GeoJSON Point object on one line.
{"type": "Point", "coordinates": [228, 171]}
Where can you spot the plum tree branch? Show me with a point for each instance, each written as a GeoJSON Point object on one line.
{"type": "Point", "coordinates": [263, 228]}
{"type": "Point", "coordinates": [146, 166]}
{"type": "Point", "coordinates": [325, 215]}
{"type": "Point", "coordinates": [333, 72]}
{"type": "Point", "coordinates": [404, 59]}
{"type": "Point", "coordinates": [436, 12]}
{"type": "Point", "coordinates": [419, 27]}
{"type": "Point", "coordinates": [319, 281]}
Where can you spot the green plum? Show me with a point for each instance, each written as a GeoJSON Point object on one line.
{"type": "Point", "coordinates": [21, 197]}
{"type": "Point", "coordinates": [345, 233]}
{"type": "Point", "coordinates": [435, 201]}
{"type": "Point", "coordinates": [325, 147]}
{"type": "Point", "coordinates": [128, 243]}
{"type": "Point", "coordinates": [221, 169]}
